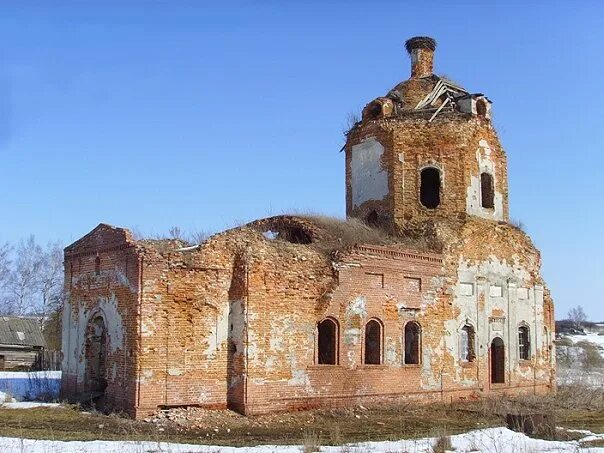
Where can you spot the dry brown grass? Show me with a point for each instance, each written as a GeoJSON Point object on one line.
{"type": "Point", "coordinates": [348, 232]}
{"type": "Point", "coordinates": [442, 443]}
{"type": "Point", "coordinates": [575, 407]}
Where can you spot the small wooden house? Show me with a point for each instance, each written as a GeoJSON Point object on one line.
{"type": "Point", "coordinates": [21, 342]}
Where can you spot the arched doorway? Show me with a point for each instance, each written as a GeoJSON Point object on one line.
{"type": "Point", "coordinates": [96, 354]}
{"type": "Point", "coordinates": [497, 361]}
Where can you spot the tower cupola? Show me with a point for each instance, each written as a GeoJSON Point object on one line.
{"type": "Point", "coordinates": [425, 152]}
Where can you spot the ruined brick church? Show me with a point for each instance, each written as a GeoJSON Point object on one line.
{"type": "Point", "coordinates": [426, 292]}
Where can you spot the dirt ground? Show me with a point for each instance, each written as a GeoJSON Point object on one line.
{"type": "Point", "coordinates": [324, 427]}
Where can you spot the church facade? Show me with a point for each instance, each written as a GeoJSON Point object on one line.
{"type": "Point", "coordinates": [426, 292]}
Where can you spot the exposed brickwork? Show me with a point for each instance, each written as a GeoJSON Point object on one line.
{"type": "Point", "coordinates": [233, 321]}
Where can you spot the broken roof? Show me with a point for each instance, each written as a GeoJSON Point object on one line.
{"type": "Point", "coordinates": [327, 234]}
{"type": "Point", "coordinates": [432, 92]}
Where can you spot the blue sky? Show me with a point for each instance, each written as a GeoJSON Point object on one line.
{"type": "Point", "coordinates": [203, 115]}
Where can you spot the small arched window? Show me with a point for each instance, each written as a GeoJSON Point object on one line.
{"type": "Point", "coordinates": [524, 343]}
{"type": "Point", "coordinates": [412, 343]}
{"type": "Point", "coordinates": [429, 191]}
{"type": "Point", "coordinates": [373, 342]}
{"type": "Point", "coordinates": [372, 219]}
{"type": "Point", "coordinates": [327, 342]}
{"type": "Point", "coordinates": [467, 350]}
{"type": "Point", "coordinates": [487, 190]}
{"type": "Point", "coordinates": [97, 265]}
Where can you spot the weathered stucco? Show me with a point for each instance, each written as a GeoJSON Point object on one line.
{"type": "Point", "coordinates": [369, 180]}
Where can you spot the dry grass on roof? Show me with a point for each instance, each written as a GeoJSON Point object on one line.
{"type": "Point", "coordinates": [162, 245]}
{"type": "Point", "coordinates": [342, 233]}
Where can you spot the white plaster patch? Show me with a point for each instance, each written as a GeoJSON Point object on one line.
{"type": "Point", "coordinates": [352, 336]}
{"type": "Point", "coordinates": [466, 289]}
{"type": "Point", "coordinates": [357, 307]}
{"type": "Point", "coordinates": [299, 377]}
{"type": "Point", "coordinates": [523, 293]}
{"type": "Point", "coordinates": [220, 332]}
{"type": "Point", "coordinates": [123, 280]}
{"type": "Point", "coordinates": [390, 351]}
{"type": "Point", "coordinates": [369, 180]}
{"type": "Point", "coordinates": [113, 322]}
{"type": "Point", "coordinates": [495, 291]}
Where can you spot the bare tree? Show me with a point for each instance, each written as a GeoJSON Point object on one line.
{"type": "Point", "coordinates": [5, 250]}
{"type": "Point", "coordinates": [50, 281]}
{"type": "Point", "coordinates": [577, 316]}
{"type": "Point", "coordinates": [23, 280]}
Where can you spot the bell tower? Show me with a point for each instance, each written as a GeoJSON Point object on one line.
{"type": "Point", "coordinates": [426, 151]}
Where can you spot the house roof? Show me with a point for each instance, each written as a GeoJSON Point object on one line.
{"type": "Point", "coordinates": [21, 331]}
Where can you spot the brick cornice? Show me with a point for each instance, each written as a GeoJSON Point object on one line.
{"type": "Point", "coordinates": [397, 254]}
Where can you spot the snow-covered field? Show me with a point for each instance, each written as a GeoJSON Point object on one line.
{"type": "Point", "coordinates": [495, 440]}
{"type": "Point", "coordinates": [591, 337]}
{"type": "Point", "coordinates": [576, 376]}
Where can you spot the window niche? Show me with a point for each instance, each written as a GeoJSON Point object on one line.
{"type": "Point", "coordinates": [412, 343]}
{"type": "Point", "coordinates": [327, 342]}
{"type": "Point", "coordinates": [487, 191]}
{"type": "Point", "coordinates": [97, 265]}
{"type": "Point", "coordinates": [429, 192]}
{"type": "Point", "coordinates": [373, 343]}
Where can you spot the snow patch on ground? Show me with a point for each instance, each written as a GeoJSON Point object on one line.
{"type": "Point", "coordinates": [495, 440]}
{"type": "Point", "coordinates": [27, 405]}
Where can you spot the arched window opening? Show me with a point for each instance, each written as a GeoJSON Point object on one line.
{"type": "Point", "coordinates": [481, 107]}
{"type": "Point", "coordinates": [429, 192]}
{"type": "Point", "coordinates": [524, 343]}
{"type": "Point", "coordinates": [372, 219]}
{"type": "Point", "coordinates": [328, 342]}
{"type": "Point", "coordinates": [487, 190]}
{"type": "Point", "coordinates": [412, 343]}
{"type": "Point", "coordinates": [96, 354]}
{"type": "Point", "coordinates": [374, 110]}
{"type": "Point", "coordinates": [373, 343]}
{"type": "Point", "coordinates": [97, 265]}
{"type": "Point", "coordinates": [467, 342]}
{"type": "Point", "coordinates": [497, 361]}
